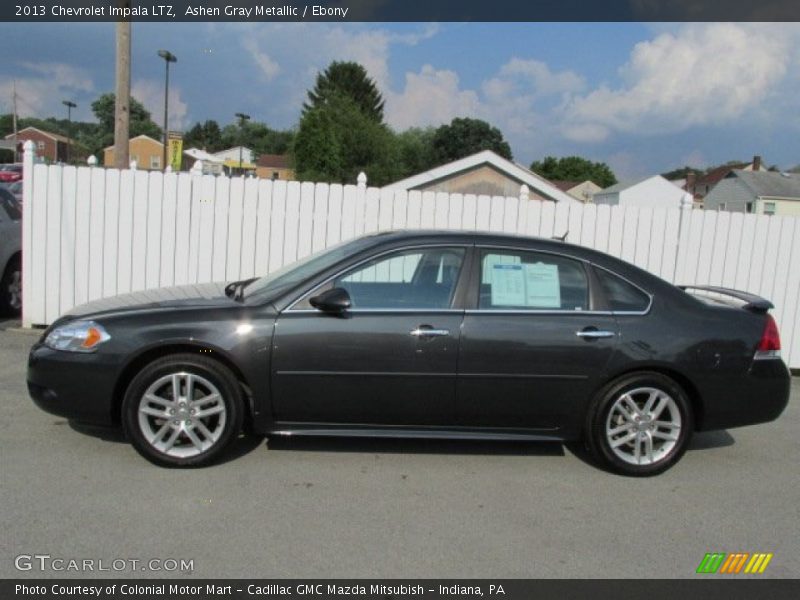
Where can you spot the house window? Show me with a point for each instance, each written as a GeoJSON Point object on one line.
{"type": "Point", "coordinates": [769, 208]}
{"type": "Point", "coordinates": [275, 175]}
{"type": "Point", "coordinates": [155, 162]}
{"type": "Point", "coordinates": [40, 146]}
{"type": "Point", "coordinates": [723, 205]}
{"type": "Point", "coordinates": [749, 207]}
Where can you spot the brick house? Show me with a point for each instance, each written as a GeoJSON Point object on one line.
{"type": "Point", "coordinates": [274, 166]}
{"type": "Point", "coordinates": [50, 147]}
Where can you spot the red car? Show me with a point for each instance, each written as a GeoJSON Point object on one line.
{"type": "Point", "coordinates": [10, 173]}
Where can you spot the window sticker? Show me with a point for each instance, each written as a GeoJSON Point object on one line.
{"type": "Point", "coordinates": [490, 260]}
{"type": "Point", "coordinates": [508, 285]}
{"type": "Point", "coordinates": [542, 286]}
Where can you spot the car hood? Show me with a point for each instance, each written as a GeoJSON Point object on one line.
{"type": "Point", "coordinates": [188, 296]}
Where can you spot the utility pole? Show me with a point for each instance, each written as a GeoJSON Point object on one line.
{"type": "Point", "coordinates": [168, 58]}
{"type": "Point", "coordinates": [122, 107]}
{"type": "Point", "coordinates": [14, 118]}
{"type": "Point", "coordinates": [70, 105]}
{"type": "Point", "coordinates": [242, 119]}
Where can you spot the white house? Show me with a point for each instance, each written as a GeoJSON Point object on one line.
{"type": "Point", "coordinates": [651, 192]}
{"type": "Point", "coordinates": [483, 173]}
{"type": "Point", "coordinates": [760, 192]}
{"type": "Point", "coordinates": [212, 165]}
{"type": "Point", "coordinates": [233, 154]}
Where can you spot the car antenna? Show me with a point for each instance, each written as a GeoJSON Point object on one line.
{"type": "Point", "coordinates": [563, 237]}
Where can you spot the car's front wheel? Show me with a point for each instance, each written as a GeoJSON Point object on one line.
{"type": "Point", "coordinates": [182, 410]}
{"type": "Point", "coordinates": [640, 424]}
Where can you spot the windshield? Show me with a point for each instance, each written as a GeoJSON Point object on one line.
{"type": "Point", "coordinates": [295, 273]}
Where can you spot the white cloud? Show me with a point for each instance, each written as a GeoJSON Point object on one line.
{"type": "Point", "coordinates": [700, 75]}
{"type": "Point", "coordinates": [151, 94]}
{"type": "Point", "coordinates": [42, 92]}
{"type": "Point", "coordinates": [310, 48]}
{"type": "Point", "coordinates": [532, 78]}
{"type": "Point", "coordinates": [269, 68]}
{"type": "Point", "coordinates": [430, 97]}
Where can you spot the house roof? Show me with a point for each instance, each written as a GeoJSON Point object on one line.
{"type": "Point", "coordinates": [536, 183]}
{"type": "Point", "coordinates": [275, 161]}
{"type": "Point", "coordinates": [53, 136]}
{"type": "Point", "coordinates": [714, 176]}
{"type": "Point", "coordinates": [769, 184]}
{"type": "Point", "coordinates": [147, 137]}
{"type": "Point", "coordinates": [625, 185]}
{"type": "Point", "coordinates": [564, 185]}
{"type": "Point", "coordinates": [198, 154]}
{"type": "Point", "coordinates": [233, 149]}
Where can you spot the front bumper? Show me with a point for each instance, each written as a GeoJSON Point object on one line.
{"type": "Point", "coordinates": [73, 385]}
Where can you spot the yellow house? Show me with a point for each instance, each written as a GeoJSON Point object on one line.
{"type": "Point", "coordinates": [147, 152]}
{"type": "Point", "coordinates": [274, 166]}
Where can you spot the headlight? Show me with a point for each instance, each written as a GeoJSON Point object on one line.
{"type": "Point", "coordinates": [78, 336]}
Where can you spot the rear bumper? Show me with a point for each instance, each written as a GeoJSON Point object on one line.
{"type": "Point", "coordinates": [73, 386]}
{"type": "Point", "coordinates": [759, 397]}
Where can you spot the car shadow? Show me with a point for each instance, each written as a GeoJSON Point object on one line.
{"type": "Point", "coordinates": [9, 322]}
{"type": "Point", "coordinates": [701, 440]}
{"type": "Point", "coordinates": [413, 446]}
{"type": "Point", "coordinates": [243, 444]}
{"type": "Point", "coordinates": [706, 440]}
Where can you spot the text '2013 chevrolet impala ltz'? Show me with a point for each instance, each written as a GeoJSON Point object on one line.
{"type": "Point", "coordinates": [421, 334]}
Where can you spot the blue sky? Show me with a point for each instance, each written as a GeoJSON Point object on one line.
{"type": "Point", "coordinates": [644, 98]}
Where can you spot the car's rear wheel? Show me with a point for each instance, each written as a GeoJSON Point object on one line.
{"type": "Point", "coordinates": [11, 288]}
{"type": "Point", "coordinates": [182, 410]}
{"type": "Point", "coordinates": [640, 424]}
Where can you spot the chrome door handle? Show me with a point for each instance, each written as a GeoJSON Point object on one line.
{"type": "Point", "coordinates": [424, 332]}
{"type": "Point", "coordinates": [594, 334]}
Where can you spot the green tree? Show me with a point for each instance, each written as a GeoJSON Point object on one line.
{"type": "Point", "coordinates": [574, 168]}
{"type": "Point", "coordinates": [415, 151]}
{"type": "Point", "coordinates": [347, 79]}
{"type": "Point", "coordinates": [681, 173]}
{"type": "Point", "coordinates": [463, 137]}
{"type": "Point", "coordinates": [337, 140]}
{"type": "Point", "coordinates": [206, 135]}
{"type": "Point", "coordinates": [140, 122]}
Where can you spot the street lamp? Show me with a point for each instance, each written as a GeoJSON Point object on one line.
{"type": "Point", "coordinates": [168, 58]}
{"type": "Point", "coordinates": [70, 105]}
{"type": "Point", "coordinates": [242, 118]}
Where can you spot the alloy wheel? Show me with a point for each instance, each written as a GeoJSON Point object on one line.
{"type": "Point", "coordinates": [643, 426]}
{"type": "Point", "coordinates": [14, 291]}
{"type": "Point", "coordinates": [182, 414]}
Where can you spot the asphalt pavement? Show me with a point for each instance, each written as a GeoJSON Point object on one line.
{"type": "Point", "coordinates": [383, 508]}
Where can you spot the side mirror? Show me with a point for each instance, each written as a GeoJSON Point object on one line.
{"type": "Point", "coordinates": [335, 301]}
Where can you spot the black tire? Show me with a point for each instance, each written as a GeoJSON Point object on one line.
{"type": "Point", "coordinates": [10, 302]}
{"type": "Point", "coordinates": [599, 425]}
{"type": "Point", "coordinates": [228, 423]}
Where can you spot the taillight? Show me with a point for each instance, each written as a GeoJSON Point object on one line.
{"type": "Point", "coordinates": [770, 344]}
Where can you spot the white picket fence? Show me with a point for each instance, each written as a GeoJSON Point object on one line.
{"type": "Point", "coordinates": [90, 233]}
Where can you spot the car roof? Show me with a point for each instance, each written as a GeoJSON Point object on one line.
{"type": "Point", "coordinates": [478, 237]}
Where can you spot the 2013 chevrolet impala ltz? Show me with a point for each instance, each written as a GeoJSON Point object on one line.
{"type": "Point", "coordinates": [421, 334]}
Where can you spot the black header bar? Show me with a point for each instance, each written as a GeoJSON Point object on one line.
{"type": "Point", "coordinates": [399, 10]}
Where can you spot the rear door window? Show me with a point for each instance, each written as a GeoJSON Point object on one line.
{"type": "Point", "coordinates": [519, 280]}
